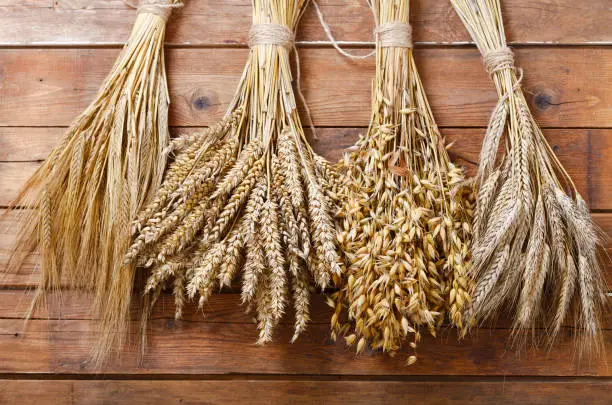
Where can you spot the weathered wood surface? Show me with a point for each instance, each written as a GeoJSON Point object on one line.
{"type": "Point", "coordinates": [566, 86]}
{"type": "Point", "coordinates": [27, 275]}
{"type": "Point", "coordinates": [99, 22]}
{"type": "Point", "coordinates": [585, 153]}
{"type": "Point", "coordinates": [296, 392]}
{"type": "Point", "coordinates": [184, 347]}
{"type": "Point", "coordinates": [55, 53]}
{"type": "Point", "coordinates": [223, 307]}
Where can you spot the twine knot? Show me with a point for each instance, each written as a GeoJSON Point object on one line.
{"type": "Point", "coordinates": [394, 35]}
{"type": "Point", "coordinates": [271, 34]}
{"type": "Point", "coordinates": [160, 8]}
{"type": "Point", "coordinates": [498, 59]}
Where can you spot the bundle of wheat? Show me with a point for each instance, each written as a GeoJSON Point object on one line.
{"type": "Point", "coordinates": [96, 180]}
{"type": "Point", "coordinates": [404, 226]}
{"type": "Point", "coordinates": [249, 191]}
{"type": "Point", "coordinates": [535, 247]}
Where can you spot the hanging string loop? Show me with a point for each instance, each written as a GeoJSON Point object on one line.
{"type": "Point", "coordinates": [331, 38]}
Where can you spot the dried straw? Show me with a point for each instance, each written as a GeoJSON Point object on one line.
{"type": "Point", "coordinates": [96, 180]}
{"type": "Point", "coordinates": [404, 225]}
{"type": "Point", "coordinates": [248, 194]}
{"type": "Point", "coordinates": [535, 246]}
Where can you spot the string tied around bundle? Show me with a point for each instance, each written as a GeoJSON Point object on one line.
{"type": "Point", "coordinates": [498, 59]}
{"type": "Point", "coordinates": [271, 34]}
{"type": "Point", "coordinates": [281, 35]}
{"type": "Point", "coordinates": [160, 8]}
{"type": "Point", "coordinates": [394, 35]}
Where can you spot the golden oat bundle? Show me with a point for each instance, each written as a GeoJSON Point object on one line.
{"type": "Point", "coordinates": [535, 245]}
{"type": "Point", "coordinates": [404, 223]}
{"type": "Point", "coordinates": [248, 194]}
{"type": "Point", "coordinates": [103, 172]}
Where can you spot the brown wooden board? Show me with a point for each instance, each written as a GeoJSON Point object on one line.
{"type": "Point", "coordinates": [224, 307]}
{"type": "Point", "coordinates": [27, 275]}
{"type": "Point", "coordinates": [298, 392]}
{"type": "Point", "coordinates": [64, 346]}
{"type": "Point", "coordinates": [223, 23]}
{"type": "Point", "coordinates": [585, 153]}
{"type": "Point", "coordinates": [54, 54]}
{"type": "Point", "coordinates": [566, 86]}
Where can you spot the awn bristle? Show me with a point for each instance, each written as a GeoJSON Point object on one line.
{"type": "Point", "coordinates": [535, 247]}
{"type": "Point", "coordinates": [404, 224]}
{"type": "Point", "coordinates": [248, 194]}
{"type": "Point", "coordinates": [95, 181]}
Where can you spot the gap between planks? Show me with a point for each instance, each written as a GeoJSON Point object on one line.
{"type": "Point", "coordinates": [303, 377]}
{"type": "Point", "coordinates": [356, 45]}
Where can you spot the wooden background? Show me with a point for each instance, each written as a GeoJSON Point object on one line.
{"type": "Point", "coordinates": [54, 55]}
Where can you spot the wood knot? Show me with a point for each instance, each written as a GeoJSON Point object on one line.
{"type": "Point", "coordinates": [543, 101]}
{"type": "Point", "coordinates": [201, 103]}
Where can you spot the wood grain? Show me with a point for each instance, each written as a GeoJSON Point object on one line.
{"type": "Point", "coordinates": [179, 347]}
{"type": "Point", "coordinates": [55, 53]}
{"type": "Point", "coordinates": [567, 87]}
{"type": "Point", "coordinates": [224, 307]}
{"type": "Point", "coordinates": [27, 275]}
{"type": "Point", "coordinates": [98, 22]}
{"type": "Point", "coordinates": [513, 392]}
{"type": "Point", "coordinates": [585, 153]}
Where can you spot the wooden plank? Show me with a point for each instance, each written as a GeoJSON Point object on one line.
{"type": "Point", "coordinates": [21, 144]}
{"type": "Point", "coordinates": [63, 346]}
{"type": "Point", "coordinates": [36, 392]}
{"type": "Point", "coordinates": [296, 392]}
{"type": "Point", "coordinates": [86, 22]}
{"type": "Point", "coordinates": [27, 275]}
{"type": "Point", "coordinates": [222, 308]}
{"type": "Point", "coordinates": [567, 87]}
{"type": "Point", "coordinates": [225, 307]}
{"type": "Point", "coordinates": [585, 153]}
{"type": "Point", "coordinates": [14, 175]}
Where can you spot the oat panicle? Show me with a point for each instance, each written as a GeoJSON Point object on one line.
{"type": "Point", "coordinates": [404, 225]}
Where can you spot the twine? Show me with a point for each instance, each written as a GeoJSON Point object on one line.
{"type": "Point", "coordinates": [331, 38]}
{"type": "Point", "coordinates": [394, 35]}
{"type": "Point", "coordinates": [281, 35]}
{"type": "Point", "coordinates": [160, 8]}
{"type": "Point", "coordinates": [271, 34]}
{"type": "Point", "coordinates": [498, 59]}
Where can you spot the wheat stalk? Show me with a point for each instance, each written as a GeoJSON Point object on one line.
{"type": "Point", "coordinates": [99, 176]}
{"type": "Point", "coordinates": [535, 244]}
{"type": "Point", "coordinates": [404, 225]}
{"type": "Point", "coordinates": [249, 193]}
